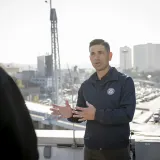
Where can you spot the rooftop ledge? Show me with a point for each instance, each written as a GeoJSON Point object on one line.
{"type": "Point", "coordinates": [60, 144]}
{"type": "Point", "coordinates": [60, 137]}
{"type": "Point", "coordinates": [50, 137]}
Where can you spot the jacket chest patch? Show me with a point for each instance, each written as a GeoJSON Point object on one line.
{"type": "Point", "coordinates": [110, 91]}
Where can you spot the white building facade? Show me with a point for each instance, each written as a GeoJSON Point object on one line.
{"type": "Point", "coordinates": [147, 57]}
{"type": "Point", "coordinates": [125, 58]}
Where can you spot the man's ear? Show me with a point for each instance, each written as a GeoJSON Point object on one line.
{"type": "Point", "coordinates": [110, 56]}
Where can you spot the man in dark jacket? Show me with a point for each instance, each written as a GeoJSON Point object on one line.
{"type": "Point", "coordinates": [107, 102]}
{"type": "Point", "coordinates": [17, 135]}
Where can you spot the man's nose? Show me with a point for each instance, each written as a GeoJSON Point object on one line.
{"type": "Point", "coordinates": [96, 57]}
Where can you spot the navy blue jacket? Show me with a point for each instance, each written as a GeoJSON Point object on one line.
{"type": "Point", "coordinates": [114, 99]}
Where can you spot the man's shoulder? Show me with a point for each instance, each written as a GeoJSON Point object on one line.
{"type": "Point", "coordinates": [122, 77]}
{"type": "Point", "coordinates": [3, 76]}
{"type": "Point", "coordinates": [2, 71]}
{"type": "Point", "coordinates": [89, 80]}
{"type": "Point", "coordinates": [84, 82]}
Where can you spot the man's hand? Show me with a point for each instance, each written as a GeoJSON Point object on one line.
{"type": "Point", "coordinates": [62, 111]}
{"type": "Point", "coordinates": [85, 113]}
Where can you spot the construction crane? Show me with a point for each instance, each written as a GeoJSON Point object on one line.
{"type": "Point", "coordinates": [56, 66]}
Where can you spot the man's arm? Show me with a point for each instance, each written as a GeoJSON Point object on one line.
{"type": "Point", "coordinates": [124, 114]}
{"type": "Point", "coordinates": [81, 103]}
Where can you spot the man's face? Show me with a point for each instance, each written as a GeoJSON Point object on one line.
{"type": "Point", "coordinates": [99, 57]}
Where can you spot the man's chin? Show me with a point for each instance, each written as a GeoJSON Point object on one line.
{"type": "Point", "coordinates": [99, 69]}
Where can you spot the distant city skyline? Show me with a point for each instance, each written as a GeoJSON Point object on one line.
{"type": "Point", "coordinates": [25, 28]}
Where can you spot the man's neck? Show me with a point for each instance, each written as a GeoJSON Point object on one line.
{"type": "Point", "coordinates": [102, 73]}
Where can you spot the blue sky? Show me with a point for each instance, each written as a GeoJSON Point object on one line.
{"type": "Point", "coordinates": [25, 27]}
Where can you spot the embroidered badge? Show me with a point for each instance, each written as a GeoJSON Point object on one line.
{"type": "Point", "coordinates": [110, 91]}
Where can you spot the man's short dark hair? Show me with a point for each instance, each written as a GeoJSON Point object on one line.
{"type": "Point", "coordinates": [100, 42]}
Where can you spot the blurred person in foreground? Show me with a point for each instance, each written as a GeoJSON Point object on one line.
{"type": "Point", "coordinates": [107, 102]}
{"type": "Point", "coordinates": [17, 135]}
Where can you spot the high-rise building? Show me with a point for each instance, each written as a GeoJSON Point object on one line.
{"type": "Point", "coordinates": [44, 65]}
{"type": "Point", "coordinates": [41, 65]}
{"type": "Point", "coordinates": [125, 58]}
{"type": "Point", "coordinates": [48, 65]}
{"type": "Point", "coordinates": [147, 57]}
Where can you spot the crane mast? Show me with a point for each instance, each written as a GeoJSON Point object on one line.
{"type": "Point", "coordinates": [56, 66]}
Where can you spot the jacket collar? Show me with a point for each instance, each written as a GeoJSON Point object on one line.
{"type": "Point", "coordinates": [112, 75]}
